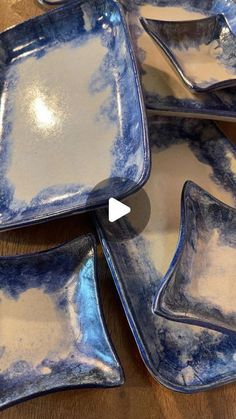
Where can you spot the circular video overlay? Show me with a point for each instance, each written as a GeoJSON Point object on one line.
{"type": "Point", "coordinates": [122, 218]}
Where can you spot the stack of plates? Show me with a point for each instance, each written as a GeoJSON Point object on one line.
{"type": "Point", "coordinates": [74, 133]}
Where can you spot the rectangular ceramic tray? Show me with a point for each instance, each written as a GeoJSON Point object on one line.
{"type": "Point", "coordinates": [183, 357]}
{"type": "Point", "coordinates": [164, 91]}
{"type": "Point", "coordinates": [71, 113]}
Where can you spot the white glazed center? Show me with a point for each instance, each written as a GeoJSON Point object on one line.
{"type": "Point", "coordinates": [57, 137]}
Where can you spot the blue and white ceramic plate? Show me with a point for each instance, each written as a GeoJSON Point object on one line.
{"type": "Point", "coordinates": [200, 285]}
{"type": "Point", "coordinates": [201, 50]}
{"type": "Point", "coordinates": [52, 331]}
{"type": "Point", "coordinates": [183, 357]}
{"type": "Point", "coordinates": [71, 113]}
{"type": "Point", "coordinates": [164, 91]}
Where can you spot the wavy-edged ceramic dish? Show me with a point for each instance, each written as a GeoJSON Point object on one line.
{"type": "Point", "coordinates": [164, 91]}
{"type": "Point", "coordinates": [202, 51]}
{"type": "Point", "coordinates": [71, 113]}
{"type": "Point", "coordinates": [52, 331]}
{"type": "Point", "coordinates": [200, 284]}
{"type": "Point", "coordinates": [183, 357]}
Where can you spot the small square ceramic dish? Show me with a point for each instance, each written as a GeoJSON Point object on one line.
{"type": "Point", "coordinates": [164, 91]}
{"type": "Point", "coordinates": [71, 113]}
{"type": "Point", "coordinates": [183, 357]}
{"type": "Point", "coordinates": [202, 50]}
{"type": "Point", "coordinates": [52, 331]}
{"type": "Point", "coordinates": [200, 285]}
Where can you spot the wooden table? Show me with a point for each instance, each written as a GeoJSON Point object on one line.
{"type": "Point", "coordinates": [141, 396]}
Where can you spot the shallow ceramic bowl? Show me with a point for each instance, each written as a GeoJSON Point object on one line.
{"type": "Point", "coordinates": [71, 113]}
{"type": "Point", "coordinates": [200, 285]}
{"type": "Point", "coordinates": [164, 91]}
{"type": "Point", "coordinates": [183, 357]}
{"type": "Point", "coordinates": [202, 51]}
{"type": "Point", "coordinates": [52, 331]}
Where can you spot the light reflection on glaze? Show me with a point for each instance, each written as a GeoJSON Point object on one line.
{"type": "Point", "coordinates": [45, 117]}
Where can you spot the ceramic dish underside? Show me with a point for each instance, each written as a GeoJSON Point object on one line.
{"type": "Point", "coordinates": [52, 331]}
{"type": "Point", "coordinates": [200, 285]}
{"type": "Point", "coordinates": [182, 357]}
{"type": "Point", "coordinates": [71, 113]}
{"type": "Point", "coordinates": [164, 91]}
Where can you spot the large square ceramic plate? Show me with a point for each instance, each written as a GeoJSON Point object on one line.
{"type": "Point", "coordinates": [71, 113]}
{"type": "Point", "coordinates": [52, 331]}
{"type": "Point", "coordinates": [183, 357]}
{"type": "Point", "coordinates": [164, 91]}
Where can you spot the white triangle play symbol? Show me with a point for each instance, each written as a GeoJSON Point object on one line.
{"type": "Point", "coordinates": [117, 210]}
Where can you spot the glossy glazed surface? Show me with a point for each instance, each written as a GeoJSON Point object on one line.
{"type": "Point", "coordinates": [140, 396]}
{"type": "Point", "coordinates": [52, 331]}
{"type": "Point", "coordinates": [70, 98]}
{"type": "Point", "coordinates": [164, 91]}
{"type": "Point", "coordinates": [52, 2]}
{"type": "Point", "coordinates": [202, 51]}
{"type": "Point", "coordinates": [183, 357]}
{"type": "Point", "coordinates": [200, 285]}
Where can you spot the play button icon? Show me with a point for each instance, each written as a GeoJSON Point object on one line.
{"type": "Point", "coordinates": [123, 218]}
{"type": "Point", "coordinates": [117, 210]}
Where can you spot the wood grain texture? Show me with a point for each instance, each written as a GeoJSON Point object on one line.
{"type": "Point", "coordinates": [141, 396]}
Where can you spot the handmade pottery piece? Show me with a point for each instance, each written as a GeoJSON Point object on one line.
{"type": "Point", "coordinates": [200, 284]}
{"type": "Point", "coordinates": [52, 2]}
{"type": "Point", "coordinates": [183, 357]}
{"type": "Point", "coordinates": [70, 98]}
{"type": "Point", "coordinates": [164, 91]}
{"type": "Point", "coordinates": [202, 51]}
{"type": "Point", "coordinates": [52, 331]}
